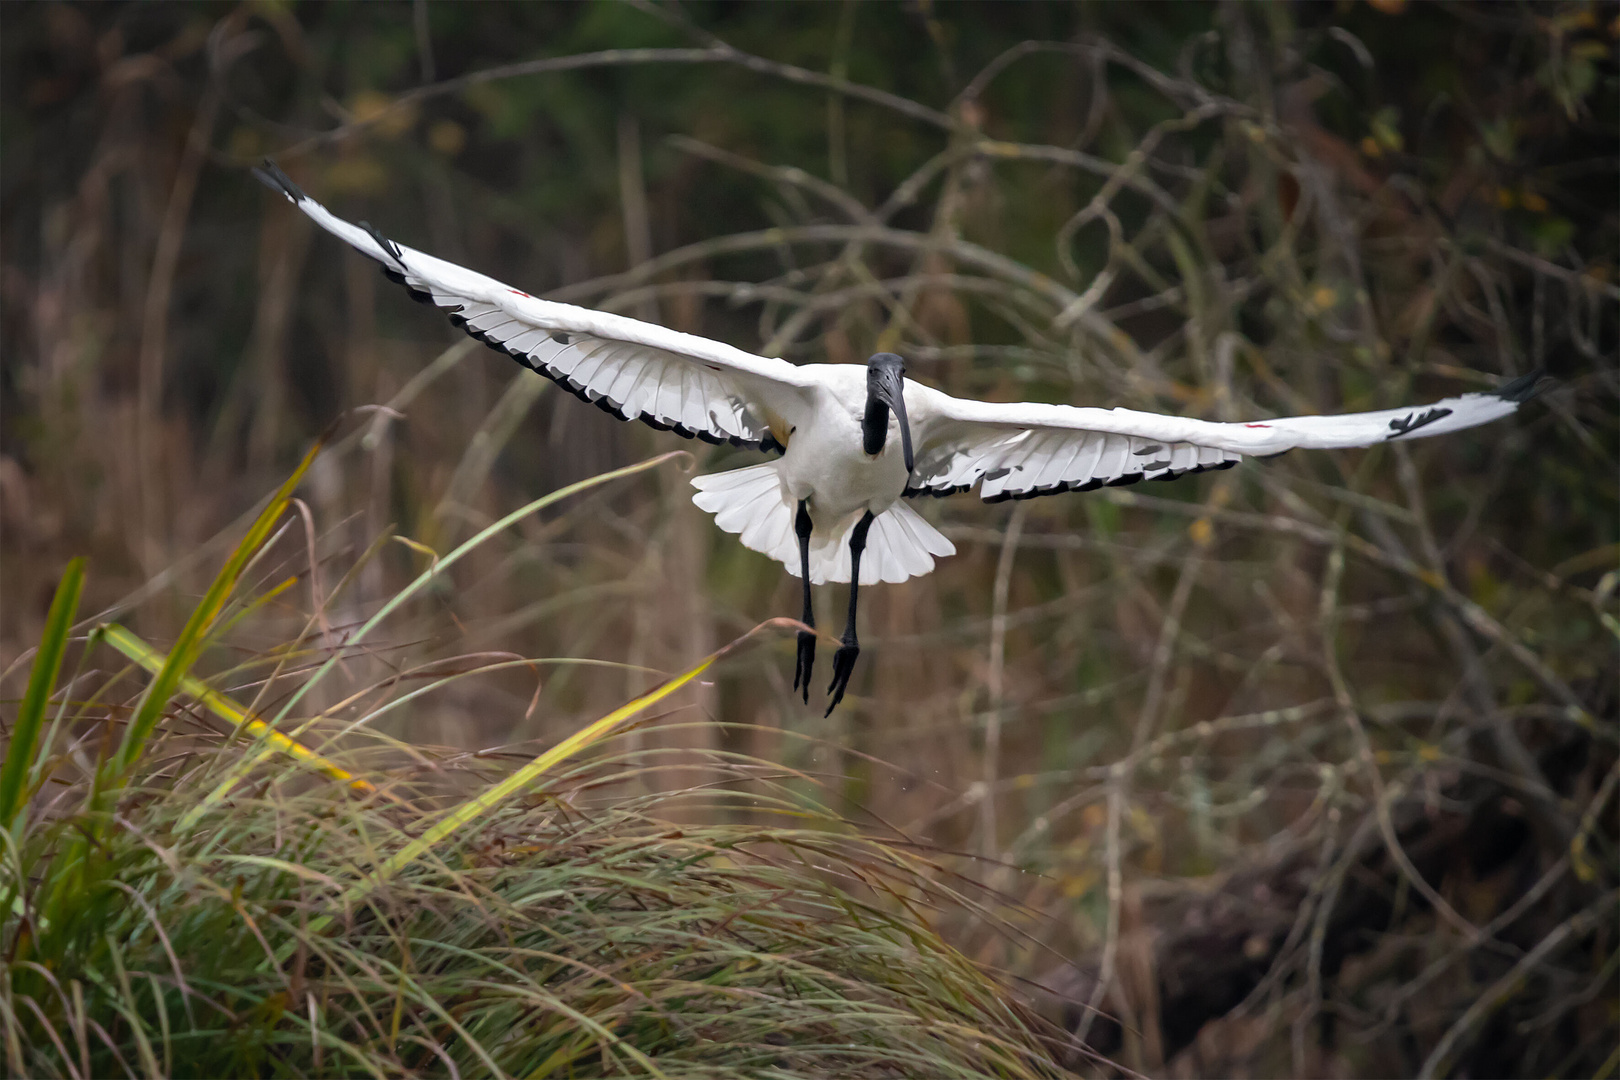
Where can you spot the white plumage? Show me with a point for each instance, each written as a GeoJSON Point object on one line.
{"type": "Point", "coordinates": [825, 418]}
{"type": "Point", "coordinates": [751, 503]}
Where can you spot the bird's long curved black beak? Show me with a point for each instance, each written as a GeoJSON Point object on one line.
{"type": "Point", "coordinates": [889, 388]}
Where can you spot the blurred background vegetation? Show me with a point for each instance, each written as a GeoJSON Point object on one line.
{"type": "Point", "coordinates": [1303, 768]}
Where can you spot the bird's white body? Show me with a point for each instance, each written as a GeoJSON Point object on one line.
{"type": "Point", "coordinates": [813, 413]}
{"type": "Point", "coordinates": [826, 467]}
{"type": "Point", "coordinates": [825, 462]}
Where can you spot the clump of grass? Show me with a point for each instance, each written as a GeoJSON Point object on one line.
{"type": "Point", "coordinates": [542, 943]}
{"type": "Point", "coordinates": [194, 906]}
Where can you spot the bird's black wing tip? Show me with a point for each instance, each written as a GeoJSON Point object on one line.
{"type": "Point", "coordinates": [1523, 388]}
{"type": "Point", "coordinates": [383, 241]}
{"type": "Point", "coordinates": [271, 176]}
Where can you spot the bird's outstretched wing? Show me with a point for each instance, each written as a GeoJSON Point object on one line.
{"type": "Point", "coordinates": [1021, 450]}
{"type": "Point", "coordinates": [632, 369]}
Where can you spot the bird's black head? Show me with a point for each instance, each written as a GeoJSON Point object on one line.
{"type": "Point", "coordinates": [884, 361]}
{"type": "Point", "coordinates": [885, 390]}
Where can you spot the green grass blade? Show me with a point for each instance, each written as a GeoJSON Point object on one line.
{"type": "Point", "coordinates": [580, 740]}
{"type": "Point", "coordinates": [250, 761]}
{"type": "Point", "coordinates": [226, 709]}
{"type": "Point", "coordinates": [190, 641]}
{"type": "Point", "coordinates": [594, 732]}
{"type": "Point", "coordinates": [44, 761]}
{"type": "Point", "coordinates": [47, 664]}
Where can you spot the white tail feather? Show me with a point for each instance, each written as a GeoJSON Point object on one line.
{"type": "Point", "coordinates": [752, 503]}
{"type": "Point", "coordinates": [899, 545]}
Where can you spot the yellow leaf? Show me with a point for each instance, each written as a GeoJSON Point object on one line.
{"type": "Point", "coordinates": [447, 137]}
{"type": "Point", "coordinates": [1584, 870]}
{"type": "Point", "coordinates": [420, 548]}
{"type": "Point", "coordinates": [386, 118]}
{"type": "Point", "coordinates": [367, 105]}
{"type": "Point", "coordinates": [245, 144]}
{"type": "Point", "coordinates": [356, 174]}
{"type": "Point", "coordinates": [1077, 885]}
{"type": "Point", "coordinates": [226, 709]}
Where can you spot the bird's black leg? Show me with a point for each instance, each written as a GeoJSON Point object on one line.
{"type": "Point", "coordinates": [844, 658]}
{"type": "Point", "coordinates": [807, 641]}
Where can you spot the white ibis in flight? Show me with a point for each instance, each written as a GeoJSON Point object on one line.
{"type": "Point", "coordinates": [855, 442]}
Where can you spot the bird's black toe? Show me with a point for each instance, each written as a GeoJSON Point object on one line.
{"type": "Point", "coordinates": [843, 664]}
{"type": "Point", "coordinates": [806, 662]}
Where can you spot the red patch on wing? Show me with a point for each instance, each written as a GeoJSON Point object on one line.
{"type": "Point", "coordinates": [516, 292]}
{"type": "Point", "coordinates": [1257, 425]}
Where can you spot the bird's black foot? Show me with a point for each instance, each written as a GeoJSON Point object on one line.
{"type": "Point", "coordinates": [807, 661]}
{"type": "Point", "coordinates": [843, 664]}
